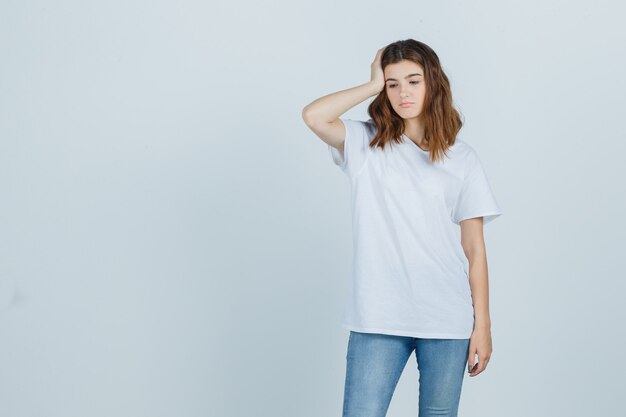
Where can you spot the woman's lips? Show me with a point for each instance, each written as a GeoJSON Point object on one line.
{"type": "Point", "coordinates": [406, 104]}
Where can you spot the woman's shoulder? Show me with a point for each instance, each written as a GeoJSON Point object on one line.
{"type": "Point", "coordinates": [462, 149]}
{"type": "Point", "coordinates": [462, 156]}
{"type": "Point", "coordinates": [367, 127]}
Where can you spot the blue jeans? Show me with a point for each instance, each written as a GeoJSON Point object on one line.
{"type": "Point", "coordinates": [376, 361]}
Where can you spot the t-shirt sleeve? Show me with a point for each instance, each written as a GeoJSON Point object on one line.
{"type": "Point", "coordinates": [476, 198]}
{"type": "Point", "coordinates": [355, 148]}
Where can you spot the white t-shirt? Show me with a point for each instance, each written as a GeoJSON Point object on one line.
{"type": "Point", "coordinates": [410, 274]}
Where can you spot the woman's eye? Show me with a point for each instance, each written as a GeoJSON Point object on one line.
{"type": "Point", "coordinates": [412, 82]}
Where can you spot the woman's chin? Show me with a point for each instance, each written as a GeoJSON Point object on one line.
{"type": "Point", "coordinates": [408, 115]}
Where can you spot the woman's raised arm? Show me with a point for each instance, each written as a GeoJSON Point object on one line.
{"type": "Point", "coordinates": [322, 115]}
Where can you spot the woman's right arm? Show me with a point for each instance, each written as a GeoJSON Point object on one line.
{"type": "Point", "coordinates": [322, 115]}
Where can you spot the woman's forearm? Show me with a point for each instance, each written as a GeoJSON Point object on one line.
{"type": "Point", "coordinates": [329, 107]}
{"type": "Point", "coordinates": [479, 284]}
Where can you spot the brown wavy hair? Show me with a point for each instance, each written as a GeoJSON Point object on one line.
{"type": "Point", "coordinates": [441, 120]}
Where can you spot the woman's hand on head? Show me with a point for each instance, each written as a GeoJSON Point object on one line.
{"type": "Point", "coordinates": [378, 76]}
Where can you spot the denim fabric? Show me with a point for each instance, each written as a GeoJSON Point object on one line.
{"type": "Point", "coordinates": [374, 363]}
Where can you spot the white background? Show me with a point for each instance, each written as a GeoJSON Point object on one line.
{"type": "Point", "coordinates": [174, 241]}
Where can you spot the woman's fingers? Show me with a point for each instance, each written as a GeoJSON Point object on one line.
{"type": "Point", "coordinates": [480, 366]}
{"type": "Point", "coordinates": [377, 74]}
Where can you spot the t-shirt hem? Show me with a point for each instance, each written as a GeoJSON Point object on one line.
{"type": "Point", "coordinates": [487, 217]}
{"type": "Point", "coordinates": [409, 333]}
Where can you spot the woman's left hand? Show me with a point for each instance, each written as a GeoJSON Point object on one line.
{"type": "Point", "coordinates": [480, 344]}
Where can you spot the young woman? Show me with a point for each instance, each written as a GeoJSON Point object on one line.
{"type": "Point", "coordinates": [420, 198]}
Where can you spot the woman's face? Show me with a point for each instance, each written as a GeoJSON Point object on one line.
{"type": "Point", "coordinates": [404, 83]}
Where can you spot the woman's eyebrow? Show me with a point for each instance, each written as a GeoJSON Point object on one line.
{"type": "Point", "coordinates": [408, 76]}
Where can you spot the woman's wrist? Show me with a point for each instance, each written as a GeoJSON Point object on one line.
{"type": "Point", "coordinates": [374, 87]}
{"type": "Point", "coordinates": [482, 323]}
